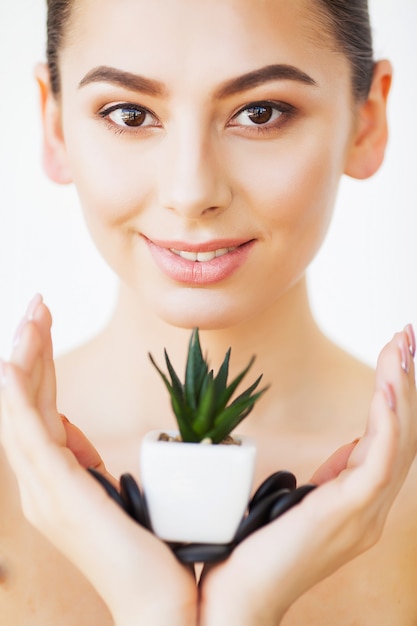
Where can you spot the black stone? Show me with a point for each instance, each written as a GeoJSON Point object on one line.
{"type": "Point", "coordinates": [259, 514]}
{"type": "Point", "coordinates": [276, 495]}
{"type": "Point", "coordinates": [134, 500]}
{"type": "Point", "coordinates": [288, 501]}
{"type": "Point", "coordinates": [275, 482]}
{"type": "Point", "coordinates": [203, 552]}
{"type": "Point", "coordinates": [108, 487]}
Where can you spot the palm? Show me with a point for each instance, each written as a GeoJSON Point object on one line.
{"type": "Point", "coordinates": [49, 456]}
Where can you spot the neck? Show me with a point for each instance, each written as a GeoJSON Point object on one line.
{"type": "Point", "coordinates": [296, 360]}
{"type": "Point", "coordinates": [279, 337]}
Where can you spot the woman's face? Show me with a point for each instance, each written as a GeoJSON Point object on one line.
{"type": "Point", "coordinates": [206, 139]}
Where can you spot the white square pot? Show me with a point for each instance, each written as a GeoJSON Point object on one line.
{"type": "Point", "coordinates": [196, 492]}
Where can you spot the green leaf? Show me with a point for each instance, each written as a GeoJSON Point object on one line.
{"type": "Point", "coordinates": [220, 381]}
{"type": "Point", "coordinates": [161, 373]}
{"type": "Point", "coordinates": [177, 401]}
{"type": "Point", "coordinates": [176, 383]}
{"type": "Point", "coordinates": [231, 417]}
{"type": "Point", "coordinates": [195, 370]}
{"type": "Point", "coordinates": [201, 404]}
{"type": "Point", "coordinates": [228, 392]}
{"type": "Point", "coordinates": [185, 428]}
{"type": "Point", "coordinates": [248, 392]}
{"type": "Point", "coordinates": [203, 419]}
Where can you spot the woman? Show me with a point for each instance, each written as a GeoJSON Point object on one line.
{"type": "Point", "coordinates": [207, 166]}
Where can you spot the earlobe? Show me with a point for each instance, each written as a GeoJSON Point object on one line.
{"type": "Point", "coordinates": [55, 160]}
{"type": "Point", "coordinates": [370, 138]}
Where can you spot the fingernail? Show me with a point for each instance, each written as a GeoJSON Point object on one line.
{"type": "Point", "coordinates": [33, 305]}
{"type": "Point", "coordinates": [405, 355]}
{"type": "Point", "coordinates": [390, 396]}
{"type": "Point", "coordinates": [411, 339]}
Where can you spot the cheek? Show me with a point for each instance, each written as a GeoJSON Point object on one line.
{"type": "Point", "coordinates": [292, 191]}
{"type": "Point", "coordinates": [112, 179]}
{"type": "Point", "coordinates": [112, 188]}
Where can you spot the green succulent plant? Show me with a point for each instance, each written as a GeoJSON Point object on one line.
{"type": "Point", "coordinates": [202, 404]}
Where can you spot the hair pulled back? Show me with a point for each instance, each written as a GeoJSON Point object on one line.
{"type": "Point", "coordinates": [349, 23]}
{"type": "Point", "coordinates": [59, 12]}
{"type": "Point", "coordinates": [346, 20]}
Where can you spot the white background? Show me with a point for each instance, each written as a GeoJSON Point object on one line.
{"type": "Point", "coordinates": [363, 284]}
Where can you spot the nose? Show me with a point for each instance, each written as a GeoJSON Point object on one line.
{"type": "Point", "coordinates": [192, 181]}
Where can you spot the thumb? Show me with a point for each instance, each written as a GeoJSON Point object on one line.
{"type": "Point", "coordinates": [83, 450]}
{"type": "Point", "coordinates": [335, 464]}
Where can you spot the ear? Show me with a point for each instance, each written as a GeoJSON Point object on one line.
{"type": "Point", "coordinates": [370, 137]}
{"type": "Point", "coordinates": [55, 161]}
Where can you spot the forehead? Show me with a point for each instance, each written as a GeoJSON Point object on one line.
{"type": "Point", "coordinates": [200, 39]}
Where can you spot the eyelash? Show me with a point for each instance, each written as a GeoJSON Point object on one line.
{"type": "Point", "coordinates": [132, 109]}
{"type": "Point", "coordinates": [284, 112]}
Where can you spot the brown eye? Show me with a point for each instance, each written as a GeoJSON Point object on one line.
{"type": "Point", "coordinates": [129, 116]}
{"type": "Point", "coordinates": [259, 114]}
{"type": "Point", "coordinates": [132, 117]}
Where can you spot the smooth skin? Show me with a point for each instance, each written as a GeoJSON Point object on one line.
{"type": "Point", "coordinates": [200, 170]}
{"type": "Point", "coordinates": [145, 568]}
{"type": "Point", "coordinates": [338, 521]}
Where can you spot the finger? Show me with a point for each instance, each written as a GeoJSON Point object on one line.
{"type": "Point", "coordinates": [26, 355]}
{"type": "Point", "coordinates": [36, 459]}
{"type": "Point", "coordinates": [29, 446]}
{"type": "Point", "coordinates": [391, 403]}
{"type": "Point", "coordinates": [336, 463]}
{"type": "Point", "coordinates": [58, 495]}
{"type": "Point", "coordinates": [27, 317]}
{"type": "Point", "coordinates": [40, 316]}
{"type": "Point", "coordinates": [27, 344]}
{"type": "Point", "coordinates": [32, 352]}
{"type": "Point", "coordinates": [378, 449]}
{"type": "Point", "coordinates": [24, 393]}
{"type": "Point", "coordinates": [411, 336]}
{"type": "Point", "coordinates": [19, 414]}
{"type": "Point", "coordinates": [84, 451]}
{"type": "Point", "coordinates": [23, 434]}
{"type": "Point", "coordinates": [395, 374]}
{"type": "Point", "coordinates": [47, 392]}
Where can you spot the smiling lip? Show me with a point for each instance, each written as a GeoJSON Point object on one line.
{"type": "Point", "coordinates": [199, 264]}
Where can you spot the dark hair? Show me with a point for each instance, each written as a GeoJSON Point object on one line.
{"type": "Point", "coordinates": [59, 12]}
{"type": "Point", "coordinates": [346, 20]}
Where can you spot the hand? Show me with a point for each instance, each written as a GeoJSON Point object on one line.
{"type": "Point", "coordinates": [130, 568]}
{"type": "Point", "coordinates": [337, 521]}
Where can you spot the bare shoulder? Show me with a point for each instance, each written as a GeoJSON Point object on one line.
{"type": "Point", "coordinates": [77, 373]}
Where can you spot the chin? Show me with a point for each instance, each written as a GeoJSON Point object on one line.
{"type": "Point", "coordinates": [193, 319]}
{"type": "Point", "coordinates": [206, 313]}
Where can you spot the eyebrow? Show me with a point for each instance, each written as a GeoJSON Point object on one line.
{"type": "Point", "coordinates": [136, 82]}
{"type": "Point", "coordinates": [261, 76]}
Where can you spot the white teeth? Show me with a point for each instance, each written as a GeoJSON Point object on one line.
{"type": "Point", "coordinates": [222, 251]}
{"type": "Point", "coordinates": [190, 256]}
{"type": "Point", "coordinates": [206, 256]}
{"type": "Point", "coordinates": [202, 256]}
